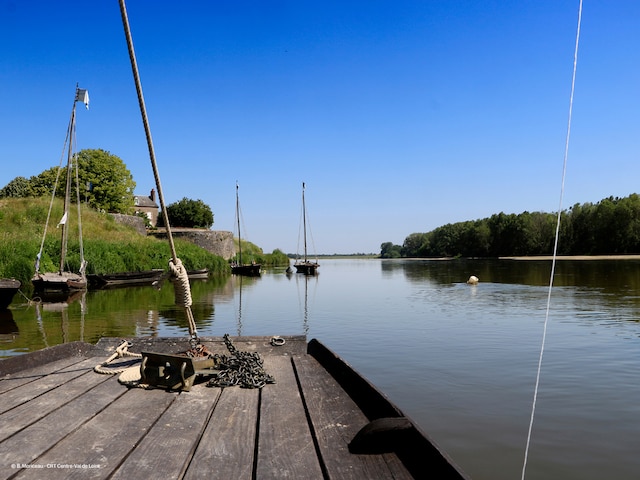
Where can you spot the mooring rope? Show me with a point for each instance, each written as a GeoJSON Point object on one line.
{"type": "Point", "coordinates": [143, 111]}
{"type": "Point", "coordinates": [555, 245]}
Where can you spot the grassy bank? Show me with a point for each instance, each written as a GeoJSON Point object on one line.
{"type": "Point", "coordinates": [108, 246]}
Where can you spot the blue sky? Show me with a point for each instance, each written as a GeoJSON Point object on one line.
{"type": "Point", "coordinates": [400, 116]}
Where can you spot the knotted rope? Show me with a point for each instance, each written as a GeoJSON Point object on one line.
{"type": "Point", "coordinates": [129, 375]}
{"type": "Point", "coordinates": [180, 283]}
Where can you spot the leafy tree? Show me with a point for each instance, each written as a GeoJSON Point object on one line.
{"type": "Point", "coordinates": [389, 250]}
{"type": "Point", "coordinates": [188, 213]}
{"type": "Point", "coordinates": [105, 182]}
{"type": "Point", "coordinates": [17, 188]}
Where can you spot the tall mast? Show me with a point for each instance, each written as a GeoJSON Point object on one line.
{"type": "Point", "coordinates": [67, 191]}
{"type": "Point", "coordinates": [238, 220]}
{"type": "Point", "coordinates": [304, 223]}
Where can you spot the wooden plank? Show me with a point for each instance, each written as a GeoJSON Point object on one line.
{"type": "Point", "coordinates": [25, 414]}
{"type": "Point", "coordinates": [28, 444]}
{"type": "Point", "coordinates": [46, 355]}
{"type": "Point", "coordinates": [336, 419]}
{"type": "Point", "coordinates": [285, 445]}
{"type": "Point", "coordinates": [53, 380]}
{"type": "Point", "coordinates": [169, 445]}
{"type": "Point", "coordinates": [226, 449]}
{"type": "Point", "coordinates": [103, 442]}
{"type": "Point", "coordinates": [12, 380]}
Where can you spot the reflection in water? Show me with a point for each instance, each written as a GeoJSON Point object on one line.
{"type": "Point", "coordinates": [458, 359]}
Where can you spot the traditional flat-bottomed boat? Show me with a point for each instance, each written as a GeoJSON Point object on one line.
{"type": "Point", "coordinates": [320, 419]}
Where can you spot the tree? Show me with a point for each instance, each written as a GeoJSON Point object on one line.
{"type": "Point", "coordinates": [18, 187]}
{"type": "Point", "coordinates": [389, 250]}
{"type": "Point", "coordinates": [188, 213]}
{"type": "Point", "coordinates": [104, 180]}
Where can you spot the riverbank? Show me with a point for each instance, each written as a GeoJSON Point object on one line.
{"type": "Point", "coordinates": [576, 257]}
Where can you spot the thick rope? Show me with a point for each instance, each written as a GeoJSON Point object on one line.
{"type": "Point", "coordinates": [555, 246]}
{"type": "Point", "coordinates": [181, 285]}
{"type": "Point", "coordinates": [129, 376]}
{"type": "Point", "coordinates": [193, 333]}
{"type": "Point", "coordinates": [122, 351]}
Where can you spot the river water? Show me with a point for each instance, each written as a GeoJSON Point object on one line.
{"type": "Point", "coordinates": [460, 360]}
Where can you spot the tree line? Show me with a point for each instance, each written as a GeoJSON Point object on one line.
{"type": "Point", "coordinates": [105, 184]}
{"type": "Point", "coordinates": [611, 226]}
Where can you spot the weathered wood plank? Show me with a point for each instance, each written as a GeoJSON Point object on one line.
{"type": "Point", "coordinates": [169, 445]}
{"type": "Point", "coordinates": [336, 419]}
{"type": "Point", "coordinates": [285, 445]}
{"type": "Point", "coordinates": [10, 381]}
{"type": "Point", "coordinates": [226, 449]}
{"type": "Point", "coordinates": [53, 380]}
{"type": "Point", "coordinates": [45, 356]}
{"type": "Point", "coordinates": [107, 438]}
{"type": "Point", "coordinates": [28, 444]}
{"type": "Point", "coordinates": [25, 414]}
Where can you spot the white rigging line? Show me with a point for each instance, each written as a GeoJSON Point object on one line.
{"type": "Point", "coordinates": [555, 245]}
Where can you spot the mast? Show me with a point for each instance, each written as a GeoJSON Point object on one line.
{"type": "Point", "coordinates": [239, 262]}
{"type": "Point", "coordinates": [304, 224]}
{"type": "Point", "coordinates": [67, 191]}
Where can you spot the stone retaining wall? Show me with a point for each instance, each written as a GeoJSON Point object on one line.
{"type": "Point", "coordinates": [217, 242]}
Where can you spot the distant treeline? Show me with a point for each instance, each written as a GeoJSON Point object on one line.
{"type": "Point", "coordinates": [611, 226]}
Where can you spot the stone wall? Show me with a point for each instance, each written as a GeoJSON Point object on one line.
{"type": "Point", "coordinates": [132, 221]}
{"type": "Point", "coordinates": [215, 241]}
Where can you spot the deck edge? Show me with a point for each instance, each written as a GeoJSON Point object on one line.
{"type": "Point", "coordinates": [420, 454]}
{"type": "Point", "coordinates": [25, 361]}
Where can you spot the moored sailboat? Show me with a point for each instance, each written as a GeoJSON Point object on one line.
{"type": "Point", "coordinates": [64, 280]}
{"type": "Point", "coordinates": [305, 265]}
{"type": "Point", "coordinates": [237, 267]}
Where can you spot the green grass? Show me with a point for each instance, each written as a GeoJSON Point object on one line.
{"type": "Point", "coordinates": [109, 247]}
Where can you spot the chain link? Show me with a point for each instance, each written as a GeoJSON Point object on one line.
{"type": "Point", "coordinates": [239, 368]}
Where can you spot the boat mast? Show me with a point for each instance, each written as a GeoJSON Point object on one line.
{"type": "Point", "coordinates": [239, 262]}
{"type": "Point", "coordinates": [304, 224]}
{"type": "Point", "coordinates": [67, 191]}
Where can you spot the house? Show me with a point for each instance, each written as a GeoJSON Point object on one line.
{"type": "Point", "coordinates": [148, 206]}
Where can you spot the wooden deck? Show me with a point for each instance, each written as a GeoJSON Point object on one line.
{"type": "Point", "coordinates": [58, 415]}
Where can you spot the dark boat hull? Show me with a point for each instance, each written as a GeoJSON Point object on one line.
{"type": "Point", "coordinates": [58, 282]}
{"type": "Point", "coordinates": [8, 288]}
{"type": "Point", "coordinates": [307, 268]}
{"type": "Point", "coordinates": [252, 270]}
{"type": "Point", "coordinates": [123, 279]}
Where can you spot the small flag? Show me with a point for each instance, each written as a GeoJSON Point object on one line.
{"type": "Point", "coordinates": [83, 96]}
{"type": "Point", "coordinates": [63, 220]}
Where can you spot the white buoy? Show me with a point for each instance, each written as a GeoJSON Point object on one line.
{"type": "Point", "coordinates": [473, 280]}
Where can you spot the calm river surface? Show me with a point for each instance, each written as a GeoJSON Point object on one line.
{"type": "Point", "coordinates": [460, 360]}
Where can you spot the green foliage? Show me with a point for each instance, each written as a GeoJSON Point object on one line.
{"type": "Point", "coordinates": [188, 213]}
{"type": "Point", "coordinates": [612, 226]}
{"type": "Point", "coordinates": [16, 188]}
{"type": "Point", "coordinates": [389, 250]}
{"type": "Point", "coordinates": [109, 247]}
{"type": "Point", "coordinates": [104, 180]}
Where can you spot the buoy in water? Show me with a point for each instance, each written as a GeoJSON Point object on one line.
{"type": "Point", "coordinates": [473, 280]}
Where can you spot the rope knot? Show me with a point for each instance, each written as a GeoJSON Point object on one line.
{"type": "Point", "coordinates": [181, 283]}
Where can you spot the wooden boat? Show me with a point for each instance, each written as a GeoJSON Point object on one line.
{"type": "Point", "coordinates": [199, 274]}
{"type": "Point", "coordinates": [320, 419]}
{"type": "Point", "coordinates": [305, 265]}
{"type": "Point", "coordinates": [64, 280]}
{"type": "Point", "coordinates": [8, 288]}
{"type": "Point", "coordinates": [237, 267]}
{"type": "Point", "coordinates": [110, 280]}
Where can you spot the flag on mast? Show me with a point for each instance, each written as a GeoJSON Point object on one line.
{"type": "Point", "coordinates": [83, 96]}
